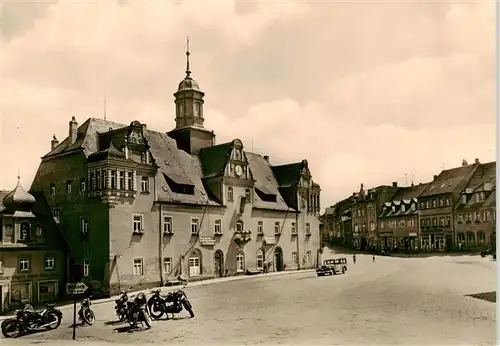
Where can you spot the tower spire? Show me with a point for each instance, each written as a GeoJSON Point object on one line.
{"type": "Point", "coordinates": [188, 71]}
{"type": "Point", "coordinates": [105, 106]}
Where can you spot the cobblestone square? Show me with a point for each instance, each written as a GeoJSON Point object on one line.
{"type": "Point", "coordinates": [389, 301]}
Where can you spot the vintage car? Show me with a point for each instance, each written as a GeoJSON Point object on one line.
{"type": "Point", "coordinates": [332, 266]}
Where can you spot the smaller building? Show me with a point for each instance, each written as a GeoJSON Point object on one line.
{"type": "Point", "coordinates": [32, 251]}
{"type": "Point", "coordinates": [436, 207]}
{"type": "Point", "coordinates": [398, 222]}
{"type": "Point", "coordinates": [475, 221]}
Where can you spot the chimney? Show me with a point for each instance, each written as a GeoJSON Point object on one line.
{"type": "Point", "coordinates": [476, 161]}
{"type": "Point", "coordinates": [435, 176]}
{"type": "Point", "coordinates": [412, 183]}
{"type": "Point", "coordinates": [266, 158]}
{"type": "Point", "coordinates": [394, 184]}
{"type": "Point", "coordinates": [54, 143]}
{"type": "Point", "coordinates": [73, 128]}
{"type": "Point", "coordinates": [464, 163]}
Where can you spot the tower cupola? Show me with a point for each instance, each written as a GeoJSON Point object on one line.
{"type": "Point", "coordinates": [189, 100]}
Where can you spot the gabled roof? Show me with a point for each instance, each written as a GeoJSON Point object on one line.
{"type": "Point", "coordinates": [485, 173]}
{"type": "Point", "coordinates": [214, 159]}
{"type": "Point", "coordinates": [265, 182]}
{"type": "Point", "coordinates": [176, 167]}
{"type": "Point", "coordinates": [410, 192]}
{"type": "Point", "coordinates": [288, 175]}
{"type": "Point", "coordinates": [87, 138]}
{"type": "Point", "coordinates": [449, 180]}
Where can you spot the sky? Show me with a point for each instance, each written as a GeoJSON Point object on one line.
{"type": "Point", "coordinates": [368, 92]}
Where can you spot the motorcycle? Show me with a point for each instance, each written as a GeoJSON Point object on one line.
{"type": "Point", "coordinates": [27, 320]}
{"type": "Point", "coordinates": [121, 306]}
{"type": "Point", "coordinates": [86, 315]}
{"type": "Point", "coordinates": [171, 303]}
{"type": "Point", "coordinates": [137, 311]}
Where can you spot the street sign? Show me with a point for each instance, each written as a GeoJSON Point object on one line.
{"type": "Point", "coordinates": [76, 288]}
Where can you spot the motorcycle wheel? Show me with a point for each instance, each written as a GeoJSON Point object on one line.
{"type": "Point", "coordinates": [88, 316]}
{"type": "Point", "coordinates": [11, 328]}
{"type": "Point", "coordinates": [53, 319]}
{"type": "Point", "coordinates": [188, 307]}
{"type": "Point", "coordinates": [146, 319]}
{"type": "Point", "coordinates": [156, 308]}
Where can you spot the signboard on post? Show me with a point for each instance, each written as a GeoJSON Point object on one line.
{"type": "Point", "coordinates": [74, 289]}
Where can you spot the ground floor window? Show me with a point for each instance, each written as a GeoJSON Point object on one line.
{"type": "Point", "coordinates": [480, 237]}
{"type": "Point", "coordinates": [470, 238]}
{"type": "Point", "coordinates": [439, 242]}
{"type": "Point", "coordinates": [260, 259]}
{"type": "Point", "coordinates": [240, 262]}
{"type": "Point", "coordinates": [426, 242]}
{"type": "Point", "coordinates": [461, 238]}
{"type": "Point", "coordinates": [47, 290]}
{"type": "Point", "coordinates": [20, 293]}
{"type": "Point", "coordinates": [195, 263]}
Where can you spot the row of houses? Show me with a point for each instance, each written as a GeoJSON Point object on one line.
{"type": "Point", "coordinates": [456, 210]}
{"type": "Point", "coordinates": [125, 207]}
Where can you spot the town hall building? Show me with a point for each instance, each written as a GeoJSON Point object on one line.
{"type": "Point", "coordinates": [140, 207]}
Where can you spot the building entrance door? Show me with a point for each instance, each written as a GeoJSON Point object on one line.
{"type": "Point", "coordinates": [278, 259]}
{"type": "Point", "coordinates": [218, 264]}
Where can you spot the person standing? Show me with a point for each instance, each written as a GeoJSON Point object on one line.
{"type": "Point", "coordinates": [354, 258]}
{"type": "Point", "coordinates": [373, 258]}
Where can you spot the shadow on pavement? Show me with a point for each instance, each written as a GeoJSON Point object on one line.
{"type": "Point", "coordinates": [112, 323]}
{"type": "Point", "coordinates": [78, 325]}
{"type": "Point", "coordinates": [488, 296]}
{"type": "Point", "coordinates": [175, 318]}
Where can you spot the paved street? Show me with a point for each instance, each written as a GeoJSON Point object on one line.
{"type": "Point", "coordinates": [392, 301]}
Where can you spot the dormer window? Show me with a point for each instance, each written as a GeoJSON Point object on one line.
{"type": "Point", "coordinates": [434, 203]}
{"type": "Point", "coordinates": [481, 196]}
{"type": "Point", "coordinates": [413, 207]}
{"type": "Point", "coordinates": [464, 199]}
{"type": "Point", "coordinates": [393, 208]}
{"type": "Point", "coordinates": [427, 205]}
{"type": "Point", "coordinates": [403, 208]}
{"type": "Point", "coordinates": [447, 201]}
{"type": "Point", "coordinates": [441, 202]}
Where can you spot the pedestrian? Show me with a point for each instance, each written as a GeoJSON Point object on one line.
{"type": "Point", "coordinates": [373, 258]}
{"type": "Point", "coordinates": [354, 258]}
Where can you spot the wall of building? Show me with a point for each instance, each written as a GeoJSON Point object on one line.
{"type": "Point", "coordinates": [11, 279]}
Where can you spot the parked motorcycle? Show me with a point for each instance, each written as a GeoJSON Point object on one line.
{"type": "Point", "coordinates": [86, 315]}
{"type": "Point", "coordinates": [171, 303]}
{"type": "Point", "coordinates": [121, 306]}
{"type": "Point", "coordinates": [27, 320]}
{"type": "Point", "coordinates": [137, 311]}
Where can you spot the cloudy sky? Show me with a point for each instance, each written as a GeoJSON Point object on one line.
{"type": "Point", "coordinates": [365, 91]}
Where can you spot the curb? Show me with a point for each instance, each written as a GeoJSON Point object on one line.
{"type": "Point", "coordinates": [194, 284]}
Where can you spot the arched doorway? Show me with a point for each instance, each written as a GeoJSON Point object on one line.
{"type": "Point", "coordinates": [278, 259]}
{"type": "Point", "coordinates": [195, 263]}
{"type": "Point", "coordinates": [218, 264]}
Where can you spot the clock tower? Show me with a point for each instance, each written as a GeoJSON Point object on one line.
{"type": "Point", "coordinates": [189, 132]}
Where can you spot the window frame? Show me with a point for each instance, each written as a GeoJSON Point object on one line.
{"type": "Point", "coordinates": [260, 227]}
{"type": "Point", "coordinates": [230, 193]}
{"type": "Point", "coordinates": [24, 259]}
{"type": "Point", "coordinates": [195, 222]}
{"type": "Point", "coordinates": [138, 262]}
{"type": "Point", "coordinates": [169, 261]}
{"type": "Point", "coordinates": [144, 184]}
{"type": "Point", "coordinates": [86, 268]}
{"type": "Point", "coordinates": [240, 254]}
{"type": "Point", "coordinates": [294, 257]}
{"type": "Point", "coordinates": [45, 261]}
{"type": "Point", "coordinates": [218, 226]}
{"type": "Point", "coordinates": [140, 222]}
{"type": "Point", "coordinates": [277, 227]}
{"type": "Point", "coordinates": [168, 224]}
